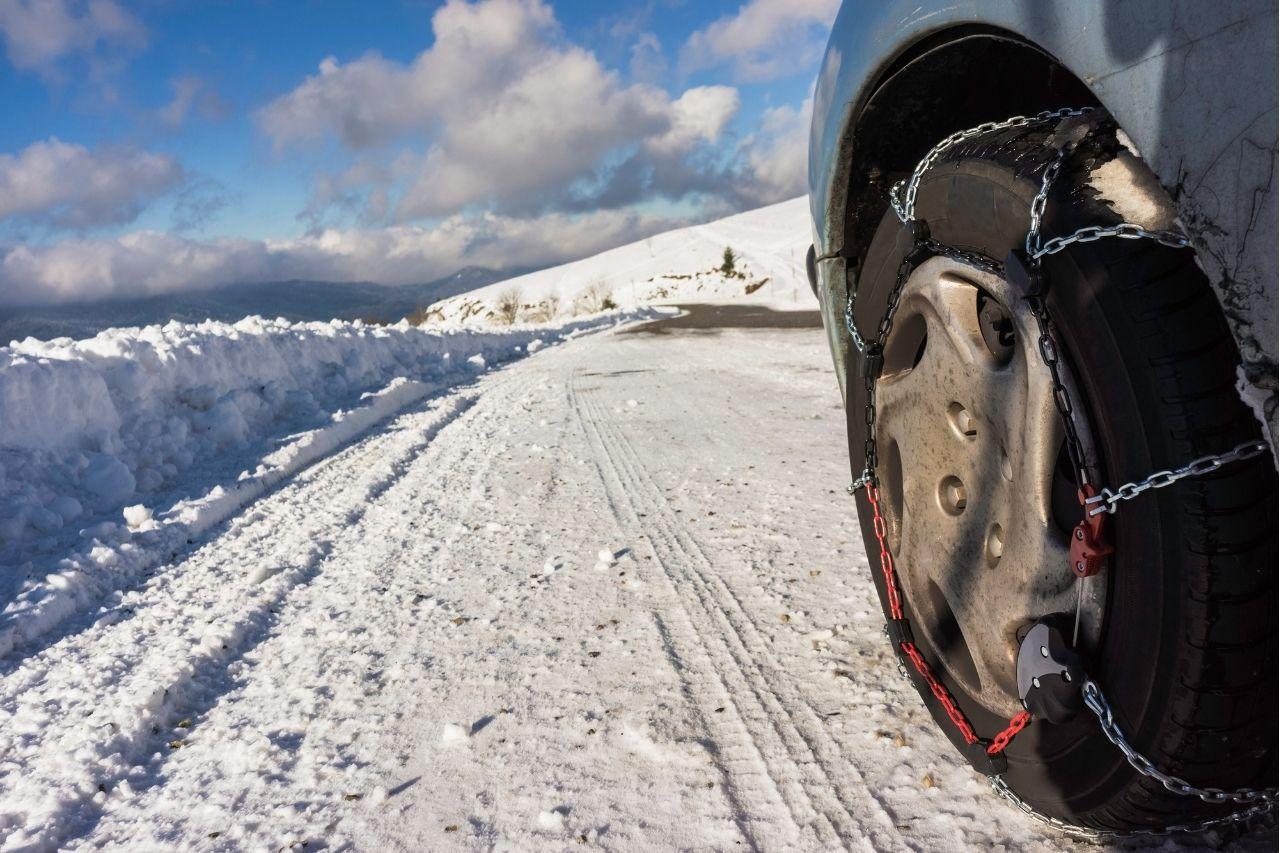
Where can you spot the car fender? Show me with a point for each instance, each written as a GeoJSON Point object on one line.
{"type": "Point", "coordinates": [1192, 84]}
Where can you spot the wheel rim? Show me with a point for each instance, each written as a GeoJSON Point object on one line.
{"type": "Point", "coordinates": [973, 447]}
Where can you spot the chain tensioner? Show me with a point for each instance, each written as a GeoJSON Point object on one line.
{"type": "Point", "coordinates": [1052, 682]}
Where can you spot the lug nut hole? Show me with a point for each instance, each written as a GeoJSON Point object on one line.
{"type": "Point", "coordinates": [962, 420]}
{"type": "Point", "coordinates": [953, 496]}
{"type": "Point", "coordinates": [995, 545]}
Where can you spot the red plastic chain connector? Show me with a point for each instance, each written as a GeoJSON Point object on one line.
{"type": "Point", "coordinates": [1000, 741]}
{"type": "Point", "coordinates": [908, 648]}
{"type": "Point", "coordinates": [1089, 544]}
{"type": "Point", "coordinates": [886, 559]}
{"type": "Point", "coordinates": [940, 693]}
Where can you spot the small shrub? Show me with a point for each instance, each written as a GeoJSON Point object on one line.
{"type": "Point", "coordinates": [508, 307]}
{"type": "Point", "coordinates": [729, 266]}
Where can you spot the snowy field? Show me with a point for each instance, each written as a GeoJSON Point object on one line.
{"type": "Point", "coordinates": [324, 586]}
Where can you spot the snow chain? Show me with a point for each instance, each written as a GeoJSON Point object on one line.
{"type": "Point", "coordinates": [1089, 544]}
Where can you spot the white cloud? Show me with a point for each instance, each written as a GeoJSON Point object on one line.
{"type": "Point", "coordinates": [38, 33]}
{"type": "Point", "coordinates": [647, 61]}
{"type": "Point", "coordinates": [513, 115]}
{"type": "Point", "coordinates": [68, 185]}
{"type": "Point", "coordinates": [150, 262]}
{"type": "Point", "coordinates": [191, 94]}
{"type": "Point", "coordinates": [699, 115]}
{"type": "Point", "coordinates": [777, 157]}
{"type": "Point", "coordinates": [765, 39]}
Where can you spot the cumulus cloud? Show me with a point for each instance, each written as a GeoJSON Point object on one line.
{"type": "Point", "coordinates": [71, 186]}
{"type": "Point", "coordinates": [699, 115]}
{"type": "Point", "coordinates": [777, 156]}
{"type": "Point", "coordinates": [39, 33]}
{"type": "Point", "coordinates": [513, 114]}
{"type": "Point", "coordinates": [764, 39]}
{"type": "Point", "coordinates": [149, 262]}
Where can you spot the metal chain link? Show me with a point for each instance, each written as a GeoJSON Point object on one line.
{"type": "Point", "coordinates": [1107, 499]}
{"type": "Point", "coordinates": [973, 259]}
{"type": "Point", "coordinates": [1097, 703]}
{"type": "Point", "coordinates": [905, 206]}
{"type": "Point", "coordinates": [1105, 835]}
{"type": "Point", "coordinates": [871, 352]}
{"type": "Point", "coordinates": [1124, 231]}
{"type": "Point", "coordinates": [902, 197]}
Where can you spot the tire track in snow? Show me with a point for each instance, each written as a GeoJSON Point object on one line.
{"type": "Point", "coordinates": [754, 793]}
{"type": "Point", "coordinates": [172, 646]}
{"type": "Point", "coordinates": [507, 395]}
{"type": "Point", "coordinates": [810, 753]}
{"type": "Point", "coordinates": [718, 674]}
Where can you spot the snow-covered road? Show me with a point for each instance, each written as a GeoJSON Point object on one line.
{"type": "Point", "coordinates": [610, 596]}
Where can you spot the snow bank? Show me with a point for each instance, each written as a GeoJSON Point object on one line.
{"type": "Point", "coordinates": [112, 448]}
{"type": "Point", "coordinates": [677, 266]}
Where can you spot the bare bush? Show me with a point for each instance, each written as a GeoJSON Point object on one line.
{"type": "Point", "coordinates": [508, 307]}
{"type": "Point", "coordinates": [596, 298]}
{"type": "Point", "coordinates": [427, 314]}
{"type": "Point", "coordinates": [546, 310]}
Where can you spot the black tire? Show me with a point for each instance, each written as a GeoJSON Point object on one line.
{"type": "Point", "coordinates": [1187, 656]}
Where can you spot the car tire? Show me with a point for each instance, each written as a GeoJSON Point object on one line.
{"type": "Point", "coordinates": [1187, 649]}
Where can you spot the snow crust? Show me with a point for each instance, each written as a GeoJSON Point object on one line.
{"type": "Point", "coordinates": [116, 450]}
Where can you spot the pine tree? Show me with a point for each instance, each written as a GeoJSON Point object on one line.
{"type": "Point", "coordinates": [728, 268]}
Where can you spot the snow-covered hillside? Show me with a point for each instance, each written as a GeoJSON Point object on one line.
{"type": "Point", "coordinates": [677, 266]}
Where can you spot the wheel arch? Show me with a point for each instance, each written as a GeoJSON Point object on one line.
{"type": "Point", "coordinates": [947, 81]}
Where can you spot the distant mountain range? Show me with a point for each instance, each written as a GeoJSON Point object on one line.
{"type": "Point", "coordinates": [293, 300]}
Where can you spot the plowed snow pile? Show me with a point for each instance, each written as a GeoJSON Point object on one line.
{"type": "Point", "coordinates": [117, 449]}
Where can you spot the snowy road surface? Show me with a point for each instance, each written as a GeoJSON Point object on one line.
{"type": "Point", "coordinates": [610, 596]}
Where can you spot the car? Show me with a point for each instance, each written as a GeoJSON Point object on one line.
{"type": "Point", "coordinates": [1045, 253]}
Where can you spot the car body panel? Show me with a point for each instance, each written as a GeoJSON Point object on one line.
{"type": "Point", "coordinates": [1193, 85]}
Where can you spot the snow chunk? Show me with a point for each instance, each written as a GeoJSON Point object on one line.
{"type": "Point", "coordinates": [453, 735]}
{"type": "Point", "coordinates": [137, 515]}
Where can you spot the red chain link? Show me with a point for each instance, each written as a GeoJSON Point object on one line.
{"type": "Point", "coordinates": [1000, 741]}
{"type": "Point", "coordinates": [886, 559]}
{"type": "Point", "coordinates": [957, 717]}
{"type": "Point", "coordinates": [940, 693]}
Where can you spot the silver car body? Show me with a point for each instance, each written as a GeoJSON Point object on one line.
{"type": "Point", "coordinates": [1191, 82]}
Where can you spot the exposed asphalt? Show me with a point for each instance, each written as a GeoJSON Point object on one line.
{"type": "Point", "coordinates": [705, 317]}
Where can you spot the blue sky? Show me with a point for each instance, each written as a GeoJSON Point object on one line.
{"type": "Point", "coordinates": [154, 146]}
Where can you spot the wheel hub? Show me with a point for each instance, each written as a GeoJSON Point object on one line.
{"type": "Point", "coordinates": [972, 443]}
